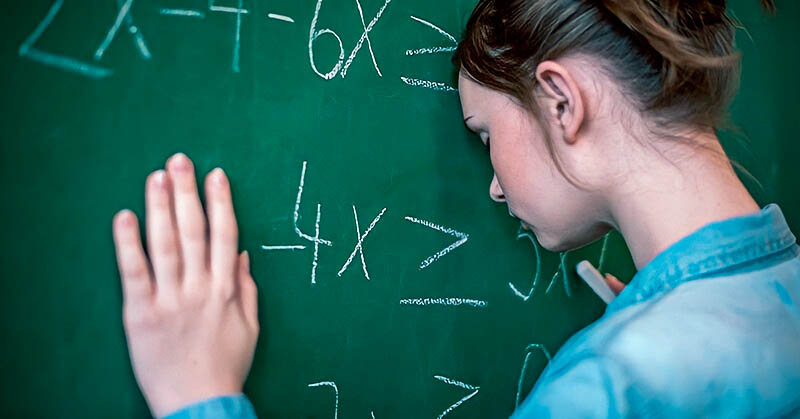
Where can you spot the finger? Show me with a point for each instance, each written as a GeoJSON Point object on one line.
{"type": "Point", "coordinates": [133, 266]}
{"type": "Point", "coordinates": [248, 289]}
{"type": "Point", "coordinates": [223, 230]}
{"type": "Point", "coordinates": [161, 239]}
{"type": "Point", "coordinates": [615, 284]}
{"type": "Point", "coordinates": [190, 219]}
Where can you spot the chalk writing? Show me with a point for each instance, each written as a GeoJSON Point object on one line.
{"type": "Point", "coordinates": [315, 33]}
{"type": "Point", "coordinates": [528, 354]}
{"type": "Point", "coordinates": [226, 9]}
{"type": "Point", "coordinates": [183, 12]}
{"type": "Point", "coordinates": [462, 238]}
{"type": "Point", "coordinates": [239, 11]}
{"type": "Point", "coordinates": [449, 301]}
{"type": "Point", "coordinates": [292, 247]}
{"type": "Point", "coordinates": [435, 49]}
{"type": "Point", "coordinates": [297, 209]}
{"type": "Point", "coordinates": [314, 239]}
{"type": "Point", "coordinates": [59, 61]}
{"type": "Point", "coordinates": [359, 245]}
{"type": "Point", "coordinates": [525, 297]}
{"type": "Point", "coordinates": [341, 66]}
{"type": "Point", "coordinates": [603, 252]}
{"type": "Point", "coordinates": [316, 246]}
{"type": "Point", "coordinates": [336, 392]}
{"type": "Point", "coordinates": [433, 85]}
{"type": "Point", "coordinates": [563, 272]}
{"type": "Point", "coordinates": [280, 17]}
{"type": "Point", "coordinates": [123, 17]}
{"type": "Point", "coordinates": [365, 36]}
{"type": "Point", "coordinates": [460, 384]}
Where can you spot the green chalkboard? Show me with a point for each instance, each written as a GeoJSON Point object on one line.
{"type": "Point", "coordinates": [97, 94]}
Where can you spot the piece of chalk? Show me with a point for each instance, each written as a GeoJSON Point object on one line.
{"type": "Point", "coordinates": [595, 280]}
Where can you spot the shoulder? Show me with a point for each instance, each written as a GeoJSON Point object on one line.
{"type": "Point", "coordinates": [725, 344]}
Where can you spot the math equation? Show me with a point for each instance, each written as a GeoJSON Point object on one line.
{"type": "Point", "coordinates": [314, 241]}
{"type": "Point", "coordinates": [123, 25]}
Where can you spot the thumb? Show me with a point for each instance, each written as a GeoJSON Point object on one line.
{"type": "Point", "coordinates": [615, 284]}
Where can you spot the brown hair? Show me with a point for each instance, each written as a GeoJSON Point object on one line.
{"type": "Point", "coordinates": [673, 59]}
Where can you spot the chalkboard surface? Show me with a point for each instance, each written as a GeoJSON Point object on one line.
{"type": "Point", "coordinates": [353, 100]}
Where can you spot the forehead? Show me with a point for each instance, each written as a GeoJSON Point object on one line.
{"type": "Point", "coordinates": [478, 98]}
{"type": "Point", "coordinates": [467, 90]}
{"type": "Point", "coordinates": [474, 96]}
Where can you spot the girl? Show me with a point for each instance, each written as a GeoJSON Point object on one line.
{"type": "Point", "coordinates": [608, 109]}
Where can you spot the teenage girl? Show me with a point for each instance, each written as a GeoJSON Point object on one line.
{"type": "Point", "coordinates": [601, 114]}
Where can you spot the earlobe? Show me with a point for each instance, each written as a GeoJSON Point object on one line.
{"type": "Point", "coordinates": [563, 97]}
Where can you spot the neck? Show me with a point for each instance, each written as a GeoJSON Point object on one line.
{"type": "Point", "coordinates": [670, 200]}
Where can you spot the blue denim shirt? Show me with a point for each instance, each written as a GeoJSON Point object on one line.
{"type": "Point", "coordinates": [709, 328]}
{"type": "Point", "coordinates": [233, 406]}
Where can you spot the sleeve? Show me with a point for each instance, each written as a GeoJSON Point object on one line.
{"type": "Point", "coordinates": [234, 406]}
{"type": "Point", "coordinates": [592, 387]}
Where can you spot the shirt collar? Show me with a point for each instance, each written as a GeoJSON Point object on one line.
{"type": "Point", "coordinates": [717, 246]}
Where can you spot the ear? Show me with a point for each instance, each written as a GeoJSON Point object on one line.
{"type": "Point", "coordinates": [563, 99]}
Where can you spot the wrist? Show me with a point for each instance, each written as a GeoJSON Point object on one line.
{"type": "Point", "coordinates": [169, 401]}
{"type": "Point", "coordinates": [228, 406]}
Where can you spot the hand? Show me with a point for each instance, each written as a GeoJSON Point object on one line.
{"type": "Point", "coordinates": [191, 314]}
{"type": "Point", "coordinates": [615, 284]}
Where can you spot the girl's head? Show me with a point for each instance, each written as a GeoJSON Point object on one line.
{"type": "Point", "coordinates": [577, 95]}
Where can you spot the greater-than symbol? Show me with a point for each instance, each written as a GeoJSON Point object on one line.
{"type": "Point", "coordinates": [462, 238]}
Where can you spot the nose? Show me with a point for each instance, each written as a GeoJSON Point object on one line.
{"type": "Point", "coordinates": [495, 191]}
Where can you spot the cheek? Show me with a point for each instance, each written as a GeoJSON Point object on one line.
{"type": "Point", "coordinates": [523, 169]}
{"type": "Point", "coordinates": [536, 192]}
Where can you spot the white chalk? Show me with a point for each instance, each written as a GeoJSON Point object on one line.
{"type": "Point", "coordinates": [336, 391]}
{"type": "Point", "coordinates": [62, 62]}
{"type": "Point", "coordinates": [595, 281]}
{"type": "Point", "coordinates": [456, 383]}
{"type": "Point", "coordinates": [280, 17]}
{"type": "Point", "coordinates": [183, 12]}
{"type": "Point", "coordinates": [433, 85]}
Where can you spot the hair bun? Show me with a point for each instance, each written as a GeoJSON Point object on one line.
{"type": "Point", "coordinates": [684, 32]}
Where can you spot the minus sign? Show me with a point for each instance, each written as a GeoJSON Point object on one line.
{"type": "Point", "coordinates": [183, 12]}
{"type": "Point", "coordinates": [280, 17]}
{"type": "Point", "coordinates": [228, 9]}
{"type": "Point", "coordinates": [295, 247]}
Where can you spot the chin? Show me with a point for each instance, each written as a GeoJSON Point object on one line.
{"type": "Point", "coordinates": [560, 243]}
{"type": "Point", "coordinates": [565, 242]}
{"type": "Point", "coordinates": [545, 240]}
{"type": "Point", "coordinates": [552, 245]}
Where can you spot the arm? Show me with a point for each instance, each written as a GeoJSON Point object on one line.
{"type": "Point", "coordinates": [190, 312]}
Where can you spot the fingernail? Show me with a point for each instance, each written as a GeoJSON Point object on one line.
{"type": "Point", "coordinates": [125, 217]}
{"type": "Point", "coordinates": [218, 176]}
{"type": "Point", "coordinates": [159, 178]}
{"type": "Point", "coordinates": [180, 161]}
